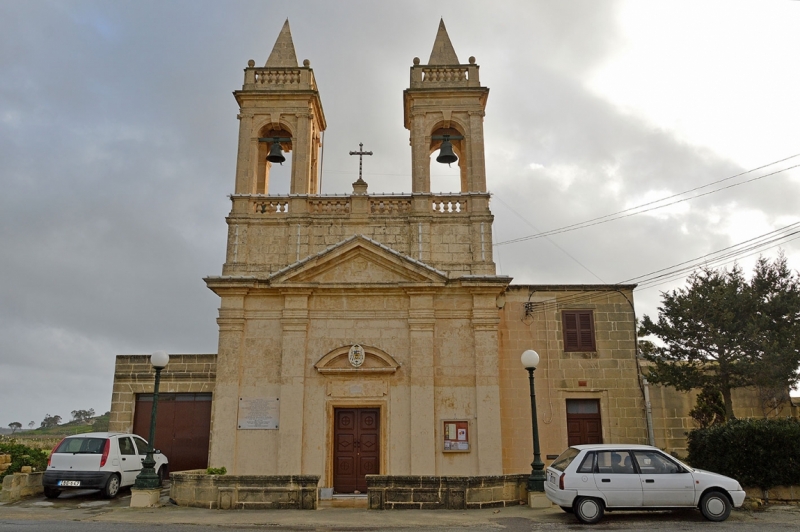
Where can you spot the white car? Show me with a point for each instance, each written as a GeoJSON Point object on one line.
{"type": "Point", "coordinates": [105, 461]}
{"type": "Point", "coordinates": [589, 479]}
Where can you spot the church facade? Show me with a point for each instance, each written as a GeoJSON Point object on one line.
{"type": "Point", "coordinates": [369, 334]}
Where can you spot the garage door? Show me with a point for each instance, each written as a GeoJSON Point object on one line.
{"type": "Point", "coordinates": [183, 425]}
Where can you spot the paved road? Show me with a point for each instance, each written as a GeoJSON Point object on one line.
{"type": "Point", "coordinates": [86, 511]}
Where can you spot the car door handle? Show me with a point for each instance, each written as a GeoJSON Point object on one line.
{"type": "Point", "coordinates": [123, 459]}
{"type": "Point", "coordinates": [605, 480]}
{"type": "Point", "coordinates": [649, 480]}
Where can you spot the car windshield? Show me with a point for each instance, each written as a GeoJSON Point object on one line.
{"type": "Point", "coordinates": [564, 459]}
{"type": "Point", "coordinates": [82, 445]}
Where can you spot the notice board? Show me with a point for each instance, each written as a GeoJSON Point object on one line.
{"type": "Point", "coordinates": [456, 436]}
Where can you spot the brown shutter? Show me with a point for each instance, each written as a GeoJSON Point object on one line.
{"type": "Point", "coordinates": [578, 330]}
{"type": "Point", "coordinates": [571, 331]}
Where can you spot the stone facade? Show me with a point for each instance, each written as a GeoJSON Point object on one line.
{"type": "Point", "coordinates": [134, 375]}
{"type": "Point", "coordinates": [531, 318]}
{"type": "Point", "coordinates": [410, 281]}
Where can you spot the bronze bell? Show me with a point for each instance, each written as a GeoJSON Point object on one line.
{"type": "Point", "coordinates": [275, 153]}
{"type": "Point", "coordinates": [446, 155]}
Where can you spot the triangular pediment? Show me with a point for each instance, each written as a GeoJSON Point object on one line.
{"type": "Point", "coordinates": [359, 260]}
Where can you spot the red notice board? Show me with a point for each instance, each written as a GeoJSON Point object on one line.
{"type": "Point", "coordinates": [456, 436]}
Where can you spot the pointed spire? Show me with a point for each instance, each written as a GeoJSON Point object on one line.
{"type": "Point", "coordinates": [443, 52]}
{"type": "Point", "coordinates": [283, 54]}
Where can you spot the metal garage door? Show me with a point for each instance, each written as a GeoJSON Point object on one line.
{"type": "Point", "coordinates": [182, 427]}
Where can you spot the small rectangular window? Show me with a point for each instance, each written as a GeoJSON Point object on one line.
{"type": "Point", "coordinates": [578, 328]}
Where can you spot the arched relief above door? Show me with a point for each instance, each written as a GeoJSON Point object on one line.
{"type": "Point", "coordinates": [375, 361]}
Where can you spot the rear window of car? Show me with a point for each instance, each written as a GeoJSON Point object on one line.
{"type": "Point", "coordinates": [564, 459]}
{"type": "Point", "coordinates": [82, 445]}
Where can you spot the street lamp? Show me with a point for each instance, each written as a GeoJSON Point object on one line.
{"type": "Point", "coordinates": [530, 359]}
{"type": "Point", "coordinates": [148, 478]}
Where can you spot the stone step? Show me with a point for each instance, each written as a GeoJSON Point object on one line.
{"type": "Point", "coordinates": [344, 501]}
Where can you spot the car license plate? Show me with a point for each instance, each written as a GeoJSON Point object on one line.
{"type": "Point", "coordinates": [69, 482]}
{"type": "Point", "coordinates": [551, 478]}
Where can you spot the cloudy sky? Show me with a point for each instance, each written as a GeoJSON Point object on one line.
{"type": "Point", "coordinates": [118, 146]}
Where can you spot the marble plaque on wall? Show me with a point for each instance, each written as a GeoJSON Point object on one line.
{"type": "Point", "coordinates": [259, 413]}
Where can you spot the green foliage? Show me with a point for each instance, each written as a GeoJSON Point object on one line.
{"type": "Point", "coordinates": [710, 408]}
{"type": "Point", "coordinates": [723, 332]}
{"type": "Point", "coordinates": [50, 421]}
{"type": "Point", "coordinates": [82, 415]}
{"type": "Point", "coordinates": [757, 452]}
{"type": "Point", "coordinates": [22, 455]}
{"type": "Point", "coordinates": [101, 423]}
{"type": "Point", "coordinates": [217, 470]}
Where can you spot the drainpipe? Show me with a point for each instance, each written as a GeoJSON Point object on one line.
{"type": "Point", "coordinates": [651, 438]}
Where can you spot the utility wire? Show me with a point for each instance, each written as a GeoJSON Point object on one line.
{"type": "Point", "coordinates": [616, 215]}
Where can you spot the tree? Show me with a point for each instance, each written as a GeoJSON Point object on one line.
{"type": "Point", "coordinates": [50, 421]}
{"type": "Point", "coordinates": [31, 424]}
{"type": "Point", "coordinates": [82, 415]}
{"type": "Point", "coordinates": [14, 426]}
{"type": "Point", "coordinates": [722, 332]}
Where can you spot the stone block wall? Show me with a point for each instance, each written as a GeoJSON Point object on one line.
{"type": "Point", "coordinates": [133, 374]}
{"type": "Point", "coordinates": [672, 422]}
{"type": "Point", "coordinates": [5, 462]}
{"type": "Point", "coordinates": [392, 492]}
{"type": "Point", "coordinates": [257, 492]}
{"type": "Point", "coordinates": [21, 485]}
{"type": "Point", "coordinates": [531, 318]}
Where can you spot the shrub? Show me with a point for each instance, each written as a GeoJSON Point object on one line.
{"type": "Point", "coordinates": [757, 452]}
{"type": "Point", "coordinates": [22, 455]}
{"type": "Point", "coordinates": [217, 470]}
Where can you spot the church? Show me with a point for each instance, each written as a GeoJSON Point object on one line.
{"type": "Point", "coordinates": [370, 334]}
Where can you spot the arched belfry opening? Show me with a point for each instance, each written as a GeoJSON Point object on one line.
{"type": "Point", "coordinates": [444, 106]}
{"type": "Point", "coordinates": [280, 107]}
{"type": "Point", "coordinates": [447, 176]}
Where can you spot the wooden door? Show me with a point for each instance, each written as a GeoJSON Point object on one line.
{"type": "Point", "coordinates": [583, 422]}
{"type": "Point", "coordinates": [356, 437]}
{"type": "Point", "coordinates": [183, 426]}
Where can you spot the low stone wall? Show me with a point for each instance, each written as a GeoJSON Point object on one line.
{"type": "Point", "coordinates": [21, 485]}
{"type": "Point", "coordinates": [775, 494]}
{"type": "Point", "coordinates": [5, 462]}
{"type": "Point", "coordinates": [445, 493]}
{"type": "Point", "coordinates": [258, 492]}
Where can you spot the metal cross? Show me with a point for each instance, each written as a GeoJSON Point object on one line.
{"type": "Point", "coordinates": [360, 154]}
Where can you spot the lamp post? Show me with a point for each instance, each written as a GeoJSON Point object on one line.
{"type": "Point", "coordinates": [530, 359]}
{"type": "Point", "coordinates": [148, 478]}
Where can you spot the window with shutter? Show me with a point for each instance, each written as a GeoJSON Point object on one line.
{"type": "Point", "coordinates": [578, 328]}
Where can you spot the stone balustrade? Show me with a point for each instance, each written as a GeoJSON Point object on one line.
{"type": "Point", "coordinates": [443, 76]}
{"type": "Point", "coordinates": [276, 78]}
{"type": "Point", "coordinates": [376, 205]}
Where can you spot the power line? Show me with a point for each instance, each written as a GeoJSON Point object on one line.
{"type": "Point", "coordinates": [616, 215]}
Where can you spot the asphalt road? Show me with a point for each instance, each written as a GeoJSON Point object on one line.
{"type": "Point", "coordinates": [86, 511]}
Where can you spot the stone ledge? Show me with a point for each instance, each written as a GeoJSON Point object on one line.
{"type": "Point", "coordinates": [20, 486]}
{"type": "Point", "coordinates": [389, 492]}
{"type": "Point", "coordinates": [259, 492]}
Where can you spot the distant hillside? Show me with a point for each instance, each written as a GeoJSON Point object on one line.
{"type": "Point", "coordinates": [95, 424]}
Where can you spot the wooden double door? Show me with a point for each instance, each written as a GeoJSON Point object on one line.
{"type": "Point", "coordinates": [356, 453]}
{"type": "Point", "coordinates": [583, 422]}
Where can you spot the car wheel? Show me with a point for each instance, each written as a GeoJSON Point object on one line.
{"type": "Point", "coordinates": [51, 493]}
{"type": "Point", "coordinates": [715, 506]}
{"type": "Point", "coordinates": [588, 510]}
{"type": "Point", "coordinates": [161, 474]}
{"type": "Point", "coordinates": [567, 509]}
{"type": "Point", "coordinates": [112, 487]}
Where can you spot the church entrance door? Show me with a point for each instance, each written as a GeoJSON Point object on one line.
{"type": "Point", "coordinates": [356, 453]}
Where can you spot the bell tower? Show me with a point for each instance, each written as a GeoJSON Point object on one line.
{"type": "Point", "coordinates": [280, 111]}
{"type": "Point", "coordinates": [445, 104]}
